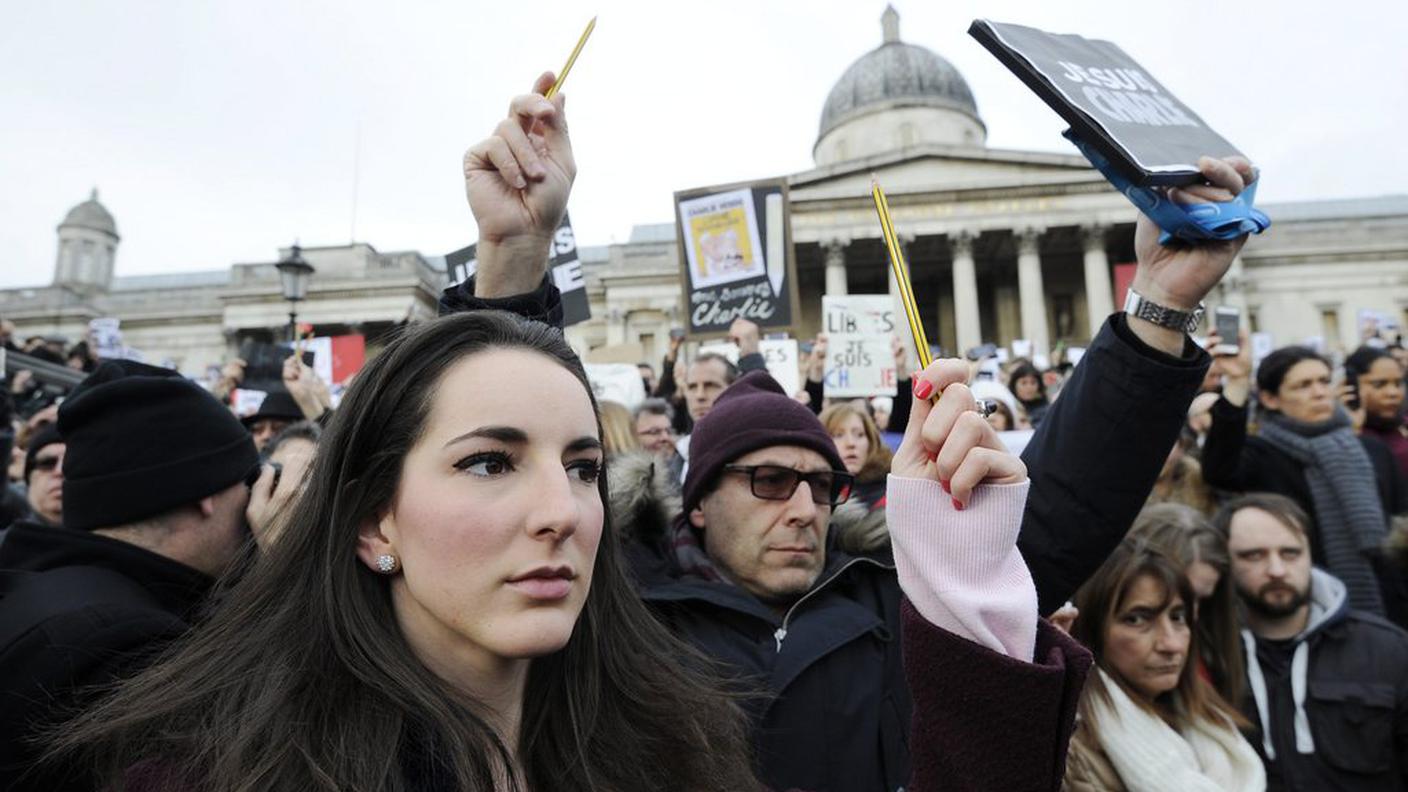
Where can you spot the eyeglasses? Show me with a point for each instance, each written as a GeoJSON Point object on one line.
{"type": "Point", "coordinates": [774, 482]}
{"type": "Point", "coordinates": [657, 432]}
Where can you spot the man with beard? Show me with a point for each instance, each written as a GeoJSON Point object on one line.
{"type": "Point", "coordinates": [1329, 684]}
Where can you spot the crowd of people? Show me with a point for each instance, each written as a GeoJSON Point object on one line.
{"type": "Point", "coordinates": [472, 575]}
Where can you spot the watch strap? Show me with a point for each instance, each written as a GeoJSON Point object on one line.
{"type": "Point", "coordinates": [1137, 305]}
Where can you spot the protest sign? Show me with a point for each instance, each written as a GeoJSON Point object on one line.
{"type": "Point", "coordinates": [736, 256]}
{"type": "Point", "coordinates": [567, 273]}
{"type": "Point", "coordinates": [618, 382]}
{"type": "Point", "coordinates": [1376, 325]}
{"type": "Point", "coordinates": [246, 401]}
{"type": "Point", "coordinates": [337, 358]}
{"type": "Point", "coordinates": [106, 335]}
{"type": "Point", "coordinates": [780, 354]}
{"type": "Point", "coordinates": [1111, 102]}
{"type": "Point", "coordinates": [1022, 348]}
{"type": "Point", "coordinates": [859, 361]}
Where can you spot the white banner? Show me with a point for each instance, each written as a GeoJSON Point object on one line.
{"type": "Point", "coordinates": [618, 382]}
{"type": "Point", "coordinates": [246, 402]}
{"type": "Point", "coordinates": [859, 361]}
{"type": "Point", "coordinates": [107, 337]}
{"type": "Point", "coordinates": [781, 357]}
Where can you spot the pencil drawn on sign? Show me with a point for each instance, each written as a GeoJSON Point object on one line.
{"type": "Point", "coordinates": [859, 360]}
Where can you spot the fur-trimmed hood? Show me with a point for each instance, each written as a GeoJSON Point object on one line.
{"type": "Point", "coordinates": [645, 500]}
{"type": "Point", "coordinates": [645, 496]}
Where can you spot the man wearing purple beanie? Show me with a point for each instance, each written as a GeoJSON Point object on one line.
{"type": "Point", "coordinates": [751, 577]}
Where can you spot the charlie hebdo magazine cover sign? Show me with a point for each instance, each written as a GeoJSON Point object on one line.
{"type": "Point", "coordinates": [736, 256]}
{"type": "Point", "coordinates": [1110, 100]}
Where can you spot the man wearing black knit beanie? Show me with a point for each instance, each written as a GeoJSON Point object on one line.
{"type": "Point", "coordinates": [154, 509]}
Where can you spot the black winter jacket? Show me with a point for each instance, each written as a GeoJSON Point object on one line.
{"type": "Point", "coordinates": [77, 610]}
{"type": "Point", "coordinates": [1356, 703]}
{"type": "Point", "coordinates": [1234, 460]}
{"type": "Point", "coordinates": [836, 711]}
{"type": "Point", "coordinates": [1240, 462]}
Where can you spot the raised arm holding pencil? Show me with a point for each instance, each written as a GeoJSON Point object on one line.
{"type": "Point", "coordinates": [517, 181]}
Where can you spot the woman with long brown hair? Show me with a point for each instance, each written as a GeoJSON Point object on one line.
{"type": "Point", "coordinates": [446, 609]}
{"type": "Point", "coordinates": [1190, 539]}
{"type": "Point", "coordinates": [1146, 719]}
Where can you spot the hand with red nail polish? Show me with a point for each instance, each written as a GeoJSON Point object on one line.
{"type": "Point", "coordinates": [948, 441]}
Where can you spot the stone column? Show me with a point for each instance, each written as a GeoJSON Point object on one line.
{"type": "Point", "coordinates": [1099, 295]}
{"type": "Point", "coordinates": [1030, 291]}
{"type": "Point", "coordinates": [616, 327]}
{"type": "Point", "coordinates": [965, 292]}
{"type": "Point", "coordinates": [835, 267]}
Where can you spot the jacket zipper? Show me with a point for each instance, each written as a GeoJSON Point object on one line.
{"type": "Point", "coordinates": [781, 633]}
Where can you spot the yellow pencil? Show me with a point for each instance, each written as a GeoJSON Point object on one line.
{"type": "Point", "coordinates": [571, 59]}
{"type": "Point", "coordinates": [911, 309]}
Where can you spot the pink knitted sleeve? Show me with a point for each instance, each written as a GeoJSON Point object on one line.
{"type": "Point", "coordinates": [961, 569]}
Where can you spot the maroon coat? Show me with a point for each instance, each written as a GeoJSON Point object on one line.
{"type": "Point", "coordinates": [986, 721]}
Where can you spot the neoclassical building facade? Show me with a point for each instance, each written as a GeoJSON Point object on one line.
{"type": "Point", "coordinates": [1002, 245]}
{"type": "Point", "coordinates": [193, 320]}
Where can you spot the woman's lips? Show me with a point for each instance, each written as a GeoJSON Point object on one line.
{"type": "Point", "coordinates": [543, 588]}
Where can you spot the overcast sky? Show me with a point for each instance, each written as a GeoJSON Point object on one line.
{"type": "Point", "coordinates": [219, 130]}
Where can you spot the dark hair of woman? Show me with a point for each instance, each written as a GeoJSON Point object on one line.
{"type": "Point", "coordinates": [303, 680]}
{"type": "Point", "coordinates": [1026, 369]}
{"type": "Point", "coordinates": [1272, 370]}
{"type": "Point", "coordinates": [1362, 359]}
{"type": "Point", "coordinates": [1188, 537]}
{"type": "Point", "coordinates": [1103, 596]}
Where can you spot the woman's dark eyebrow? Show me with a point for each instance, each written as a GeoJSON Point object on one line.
{"type": "Point", "coordinates": [504, 434]}
{"type": "Point", "coordinates": [586, 443]}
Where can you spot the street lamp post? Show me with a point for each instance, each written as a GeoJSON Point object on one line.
{"type": "Point", "coordinates": [294, 272]}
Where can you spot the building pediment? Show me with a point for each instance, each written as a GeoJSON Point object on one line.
{"type": "Point", "coordinates": [932, 168]}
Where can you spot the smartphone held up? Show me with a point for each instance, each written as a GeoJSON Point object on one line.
{"type": "Point", "coordinates": [1227, 323]}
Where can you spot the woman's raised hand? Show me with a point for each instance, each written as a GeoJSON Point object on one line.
{"type": "Point", "coordinates": [517, 181]}
{"type": "Point", "coordinates": [949, 441]}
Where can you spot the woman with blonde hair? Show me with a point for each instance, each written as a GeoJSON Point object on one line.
{"type": "Point", "coordinates": [618, 435]}
{"type": "Point", "coordinates": [1146, 720]}
{"type": "Point", "coordinates": [859, 524]}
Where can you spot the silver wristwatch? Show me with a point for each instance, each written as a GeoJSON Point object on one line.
{"type": "Point", "coordinates": [1162, 315]}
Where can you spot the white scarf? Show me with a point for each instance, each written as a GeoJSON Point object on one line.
{"type": "Point", "coordinates": [1151, 757]}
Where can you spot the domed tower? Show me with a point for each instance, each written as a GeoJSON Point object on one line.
{"type": "Point", "coordinates": [87, 247]}
{"type": "Point", "coordinates": [895, 96]}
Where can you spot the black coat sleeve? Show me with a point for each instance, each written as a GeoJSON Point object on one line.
{"type": "Point", "coordinates": [1227, 461]}
{"type": "Point", "coordinates": [816, 394]}
{"type": "Point", "coordinates": [543, 304]}
{"type": "Point", "coordinates": [1095, 457]}
{"type": "Point", "coordinates": [904, 400]}
{"type": "Point", "coordinates": [665, 387]}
